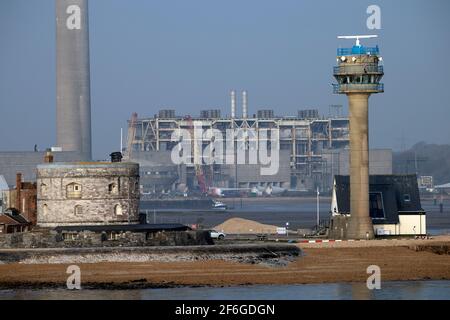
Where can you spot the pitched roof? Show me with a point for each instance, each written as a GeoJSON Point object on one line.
{"type": "Point", "coordinates": [6, 219]}
{"type": "Point", "coordinates": [400, 193]}
{"type": "Point", "coordinates": [18, 217]}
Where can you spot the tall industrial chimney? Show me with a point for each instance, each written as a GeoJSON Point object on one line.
{"type": "Point", "coordinates": [233, 104]}
{"type": "Point", "coordinates": [244, 104]}
{"type": "Point", "coordinates": [73, 99]}
{"type": "Point", "coordinates": [358, 75]}
{"type": "Point", "coordinates": [18, 204]}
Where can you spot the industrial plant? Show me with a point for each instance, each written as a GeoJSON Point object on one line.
{"type": "Point", "coordinates": [238, 192]}
{"type": "Point", "coordinates": [312, 149]}
{"type": "Point", "coordinates": [316, 154]}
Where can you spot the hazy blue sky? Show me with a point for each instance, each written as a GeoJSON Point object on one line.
{"type": "Point", "coordinates": [187, 55]}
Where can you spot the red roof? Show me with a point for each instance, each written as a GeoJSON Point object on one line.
{"type": "Point", "coordinates": [4, 219]}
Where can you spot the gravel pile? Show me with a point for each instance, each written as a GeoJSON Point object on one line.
{"type": "Point", "coordinates": [244, 226]}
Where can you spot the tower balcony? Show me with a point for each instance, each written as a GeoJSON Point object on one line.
{"type": "Point", "coordinates": [358, 69]}
{"type": "Point", "coordinates": [358, 88]}
{"type": "Point", "coordinates": [358, 50]}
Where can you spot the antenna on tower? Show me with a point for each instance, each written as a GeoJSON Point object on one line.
{"type": "Point", "coordinates": [357, 37]}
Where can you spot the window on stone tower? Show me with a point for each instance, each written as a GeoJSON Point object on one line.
{"type": "Point", "coordinates": [78, 210]}
{"type": "Point", "coordinates": [43, 188]}
{"type": "Point", "coordinates": [113, 188]}
{"type": "Point", "coordinates": [73, 191]}
{"type": "Point", "coordinates": [118, 210]}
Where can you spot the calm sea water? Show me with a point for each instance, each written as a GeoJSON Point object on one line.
{"type": "Point", "coordinates": [394, 290]}
{"type": "Point", "coordinates": [300, 213]}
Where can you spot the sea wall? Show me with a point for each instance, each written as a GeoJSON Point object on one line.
{"type": "Point", "coordinates": [46, 238]}
{"type": "Point", "coordinates": [273, 254]}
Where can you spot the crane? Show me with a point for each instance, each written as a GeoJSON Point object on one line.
{"type": "Point", "coordinates": [198, 168]}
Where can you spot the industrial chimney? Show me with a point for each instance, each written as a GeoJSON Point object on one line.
{"type": "Point", "coordinates": [233, 104]}
{"type": "Point", "coordinates": [48, 158]}
{"type": "Point", "coordinates": [73, 105]}
{"type": "Point", "coordinates": [244, 104]}
{"type": "Point", "coordinates": [18, 191]}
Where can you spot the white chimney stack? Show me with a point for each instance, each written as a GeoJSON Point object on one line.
{"type": "Point", "coordinates": [244, 104]}
{"type": "Point", "coordinates": [233, 104]}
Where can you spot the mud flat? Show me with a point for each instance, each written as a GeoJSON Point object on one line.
{"type": "Point", "coordinates": [320, 264]}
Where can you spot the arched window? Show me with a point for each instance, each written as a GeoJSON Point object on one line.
{"type": "Point", "coordinates": [45, 209]}
{"type": "Point", "coordinates": [113, 188]}
{"type": "Point", "coordinates": [78, 210]}
{"type": "Point", "coordinates": [118, 210]}
{"type": "Point", "coordinates": [73, 191]}
{"type": "Point", "coordinates": [43, 188]}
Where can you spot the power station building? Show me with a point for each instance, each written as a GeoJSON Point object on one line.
{"type": "Point", "coordinates": [309, 148]}
{"type": "Point", "coordinates": [73, 105]}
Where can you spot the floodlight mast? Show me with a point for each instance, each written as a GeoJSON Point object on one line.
{"type": "Point", "coordinates": [357, 37]}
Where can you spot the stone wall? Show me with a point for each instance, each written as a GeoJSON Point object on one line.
{"type": "Point", "coordinates": [107, 193]}
{"type": "Point", "coordinates": [338, 227]}
{"type": "Point", "coordinates": [43, 238]}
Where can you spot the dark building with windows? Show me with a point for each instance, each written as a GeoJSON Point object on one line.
{"type": "Point", "coordinates": [394, 204]}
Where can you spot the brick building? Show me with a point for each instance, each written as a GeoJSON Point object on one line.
{"type": "Point", "coordinates": [22, 199]}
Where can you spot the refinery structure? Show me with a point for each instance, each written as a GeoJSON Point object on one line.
{"type": "Point", "coordinates": [304, 139]}
{"type": "Point", "coordinates": [312, 148]}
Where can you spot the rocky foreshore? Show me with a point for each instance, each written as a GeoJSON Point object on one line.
{"type": "Point", "coordinates": [271, 254]}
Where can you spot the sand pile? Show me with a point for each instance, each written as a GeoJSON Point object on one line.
{"type": "Point", "coordinates": [239, 225]}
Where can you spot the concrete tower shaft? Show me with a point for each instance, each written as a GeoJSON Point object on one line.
{"type": "Point", "coordinates": [73, 105]}
{"type": "Point", "coordinates": [358, 75]}
{"type": "Point", "coordinates": [360, 225]}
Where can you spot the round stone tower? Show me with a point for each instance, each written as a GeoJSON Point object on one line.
{"type": "Point", "coordinates": [87, 193]}
{"type": "Point", "coordinates": [358, 75]}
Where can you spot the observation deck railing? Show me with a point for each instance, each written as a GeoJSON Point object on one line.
{"type": "Point", "coordinates": [358, 87]}
{"type": "Point", "coordinates": [355, 50]}
{"type": "Point", "coordinates": [357, 69]}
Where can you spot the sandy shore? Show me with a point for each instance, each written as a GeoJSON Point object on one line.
{"type": "Point", "coordinates": [322, 263]}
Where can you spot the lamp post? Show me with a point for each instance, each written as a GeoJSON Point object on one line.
{"type": "Point", "coordinates": [318, 207]}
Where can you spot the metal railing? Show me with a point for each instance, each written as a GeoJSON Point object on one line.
{"type": "Point", "coordinates": [357, 50]}
{"type": "Point", "coordinates": [355, 87]}
{"type": "Point", "coordinates": [358, 69]}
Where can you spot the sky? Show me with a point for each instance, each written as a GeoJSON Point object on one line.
{"type": "Point", "coordinates": [187, 55]}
